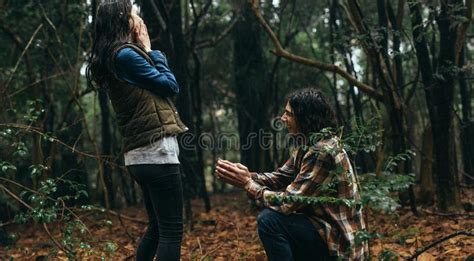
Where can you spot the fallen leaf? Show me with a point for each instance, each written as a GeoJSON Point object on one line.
{"type": "Point", "coordinates": [260, 257]}
{"type": "Point", "coordinates": [425, 257]}
{"type": "Point", "coordinates": [428, 230]}
{"type": "Point", "coordinates": [452, 250]}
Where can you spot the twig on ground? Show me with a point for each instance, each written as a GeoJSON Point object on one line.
{"type": "Point", "coordinates": [463, 215]}
{"type": "Point", "coordinates": [210, 252]}
{"type": "Point", "coordinates": [199, 244]}
{"type": "Point", "coordinates": [125, 228]}
{"type": "Point", "coordinates": [424, 249]}
{"type": "Point", "coordinates": [138, 220]}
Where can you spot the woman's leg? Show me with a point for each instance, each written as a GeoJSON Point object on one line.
{"type": "Point", "coordinates": [149, 241]}
{"type": "Point", "coordinates": [166, 195]}
{"type": "Point", "coordinates": [162, 190]}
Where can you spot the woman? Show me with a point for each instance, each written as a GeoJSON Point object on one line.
{"type": "Point", "coordinates": [139, 84]}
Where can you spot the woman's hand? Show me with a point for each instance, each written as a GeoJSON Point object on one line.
{"type": "Point", "coordinates": [141, 36]}
{"type": "Point", "coordinates": [233, 173]}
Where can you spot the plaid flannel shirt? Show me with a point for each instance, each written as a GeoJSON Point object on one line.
{"type": "Point", "coordinates": [320, 170]}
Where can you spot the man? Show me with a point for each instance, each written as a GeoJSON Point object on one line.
{"type": "Point", "coordinates": [289, 229]}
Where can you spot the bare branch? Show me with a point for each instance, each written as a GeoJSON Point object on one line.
{"type": "Point", "coordinates": [25, 188]}
{"type": "Point", "coordinates": [215, 40]}
{"type": "Point", "coordinates": [121, 216]}
{"type": "Point", "coordinates": [21, 56]}
{"type": "Point", "coordinates": [44, 224]}
{"type": "Point", "coordinates": [197, 16]}
{"type": "Point", "coordinates": [280, 51]}
{"type": "Point", "coordinates": [55, 140]}
{"type": "Point", "coordinates": [157, 13]}
{"type": "Point", "coordinates": [58, 245]}
{"type": "Point", "coordinates": [15, 197]}
{"type": "Point", "coordinates": [35, 83]}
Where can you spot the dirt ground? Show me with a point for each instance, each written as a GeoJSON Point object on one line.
{"type": "Point", "coordinates": [228, 232]}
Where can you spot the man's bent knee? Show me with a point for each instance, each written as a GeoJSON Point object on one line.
{"type": "Point", "coordinates": [267, 219]}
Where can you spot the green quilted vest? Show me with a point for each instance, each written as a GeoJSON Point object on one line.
{"type": "Point", "coordinates": [142, 116]}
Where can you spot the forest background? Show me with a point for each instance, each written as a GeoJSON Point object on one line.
{"type": "Point", "coordinates": [398, 73]}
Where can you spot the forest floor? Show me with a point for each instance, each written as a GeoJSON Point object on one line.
{"type": "Point", "coordinates": [228, 232]}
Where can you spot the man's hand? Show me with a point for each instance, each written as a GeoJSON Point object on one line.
{"type": "Point", "coordinates": [233, 173]}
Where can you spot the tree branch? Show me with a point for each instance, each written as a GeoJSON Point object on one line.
{"type": "Point", "coordinates": [43, 195]}
{"type": "Point", "coordinates": [21, 56]}
{"type": "Point", "coordinates": [64, 248]}
{"type": "Point", "coordinates": [157, 13]}
{"type": "Point", "coordinates": [120, 216]}
{"type": "Point", "coordinates": [56, 140]}
{"type": "Point", "coordinates": [58, 245]}
{"type": "Point", "coordinates": [280, 51]}
{"type": "Point", "coordinates": [215, 40]}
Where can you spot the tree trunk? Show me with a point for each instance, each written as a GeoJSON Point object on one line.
{"type": "Point", "coordinates": [467, 123]}
{"type": "Point", "coordinates": [393, 99]}
{"type": "Point", "coordinates": [426, 170]}
{"type": "Point", "coordinates": [439, 98]}
{"type": "Point", "coordinates": [250, 89]}
{"type": "Point", "coordinates": [106, 146]}
{"type": "Point", "coordinates": [332, 30]}
{"type": "Point", "coordinates": [197, 102]}
{"type": "Point", "coordinates": [442, 121]}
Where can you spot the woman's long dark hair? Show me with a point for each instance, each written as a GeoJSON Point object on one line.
{"type": "Point", "coordinates": [311, 110]}
{"type": "Point", "coordinates": [111, 29]}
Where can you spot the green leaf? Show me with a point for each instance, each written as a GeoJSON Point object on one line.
{"type": "Point", "coordinates": [5, 166]}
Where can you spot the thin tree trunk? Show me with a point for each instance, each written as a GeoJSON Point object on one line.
{"type": "Point", "coordinates": [426, 171]}
{"type": "Point", "coordinates": [249, 78]}
{"type": "Point", "coordinates": [332, 31]}
{"type": "Point", "coordinates": [106, 146]}
{"type": "Point", "coordinates": [126, 187]}
{"type": "Point", "coordinates": [467, 123]}
{"type": "Point", "coordinates": [198, 114]}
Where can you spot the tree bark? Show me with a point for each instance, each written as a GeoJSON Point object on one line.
{"type": "Point", "coordinates": [106, 146]}
{"type": "Point", "coordinates": [467, 123]}
{"type": "Point", "coordinates": [426, 170]}
{"type": "Point", "coordinates": [439, 98]}
{"type": "Point", "coordinates": [250, 89]}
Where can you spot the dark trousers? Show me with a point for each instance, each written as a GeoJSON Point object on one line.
{"type": "Point", "coordinates": [163, 197]}
{"type": "Point", "coordinates": [291, 237]}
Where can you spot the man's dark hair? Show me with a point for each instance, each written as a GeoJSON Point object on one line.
{"type": "Point", "coordinates": [311, 110]}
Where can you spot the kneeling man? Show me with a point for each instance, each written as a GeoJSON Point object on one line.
{"type": "Point", "coordinates": [318, 167]}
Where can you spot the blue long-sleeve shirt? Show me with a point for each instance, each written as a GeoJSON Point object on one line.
{"type": "Point", "coordinates": [136, 70]}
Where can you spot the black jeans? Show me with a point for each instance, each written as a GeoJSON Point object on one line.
{"type": "Point", "coordinates": [291, 237]}
{"type": "Point", "coordinates": [163, 196]}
